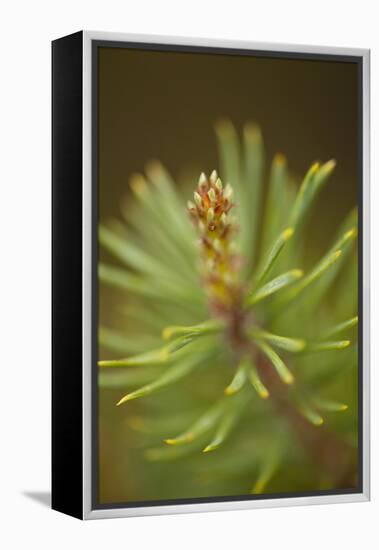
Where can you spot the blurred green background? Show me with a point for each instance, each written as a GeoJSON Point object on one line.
{"type": "Point", "coordinates": [163, 105]}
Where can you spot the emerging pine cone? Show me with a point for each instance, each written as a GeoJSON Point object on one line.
{"type": "Point", "coordinates": [220, 262]}
{"type": "Point", "coordinates": [259, 352]}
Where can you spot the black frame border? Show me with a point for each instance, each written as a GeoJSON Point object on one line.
{"type": "Point", "coordinates": [67, 256]}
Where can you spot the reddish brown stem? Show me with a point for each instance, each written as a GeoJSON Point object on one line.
{"type": "Point", "coordinates": [335, 458]}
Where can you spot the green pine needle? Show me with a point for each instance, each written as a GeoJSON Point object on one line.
{"type": "Point", "coordinates": [282, 342]}
{"type": "Point", "coordinates": [284, 373]}
{"type": "Point", "coordinates": [278, 283]}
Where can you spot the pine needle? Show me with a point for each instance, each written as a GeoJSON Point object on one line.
{"type": "Point", "coordinates": [283, 371]}
{"type": "Point", "coordinates": [330, 406]}
{"type": "Point", "coordinates": [257, 383]}
{"type": "Point", "coordinates": [154, 357]}
{"type": "Point", "coordinates": [310, 414]}
{"type": "Point", "coordinates": [202, 425]}
{"type": "Point", "coordinates": [226, 425]}
{"type": "Point", "coordinates": [326, 346]}
{"type": "Point", "coordinates": [253, 180]}
{"type": "Point", "coordinates": [269, 466]}
{"type": "Point", "coordinates": [312, 184]}
{"type": "Point", "coordinates": [272, 255]}
{"type": "Point", "coordinates": [341, 327]}
{"type": "Point", "coordinates": [280, 282]}
{"type": "Point", "coordinates": [207, 327]}
{"type": "Point", "coordinates": [316, 272]}
{"type": "Point", "coordinates": [275, 215]}
{"type": "Point", "coordinates": [238, 380]}
{"type": "Point", "coordinates": [172, 375]}
{"type": "Point", "coordinates": [282, 342]}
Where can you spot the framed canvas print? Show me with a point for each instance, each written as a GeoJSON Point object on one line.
{"type": "Point", "coordinates": [210, 275]}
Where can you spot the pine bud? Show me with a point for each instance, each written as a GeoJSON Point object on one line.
{"type": "Point", "coordinates": [198, 199]}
